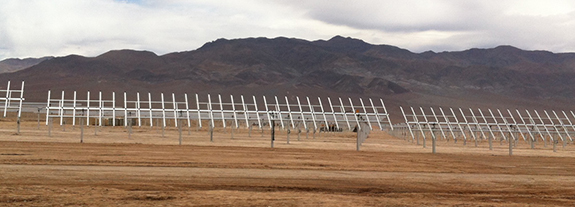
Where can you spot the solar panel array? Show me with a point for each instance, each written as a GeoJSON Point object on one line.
{"type": "Point", "coordinates": [287, 112]}
{"type": "Point", "coordinates": [470, 124]}
{"type": "Point", "coordinates": [11, 99]}
{"type": "Point", "coordinates": [295, 113]}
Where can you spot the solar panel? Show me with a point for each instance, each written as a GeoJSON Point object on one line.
{"type": "Point", "coordinates": [12, 100]}
{"type": "Point", "coordinates": [478, 125]}
{"type": "Point", "coordinates": [314, 115]}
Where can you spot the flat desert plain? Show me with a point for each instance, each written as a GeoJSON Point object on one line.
{"type": "Point", "coordinates": [114, 168]}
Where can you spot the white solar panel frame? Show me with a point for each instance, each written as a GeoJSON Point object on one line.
{"type": "Point", "coordinates": [310, 114]}
{"type": "Point", "coordinates": [507, 126]}
{"type": "Point", "coordinates": [11, 99]}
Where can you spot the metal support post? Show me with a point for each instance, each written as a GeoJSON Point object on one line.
{"type": "Point", "coordinates": [475, 142]}
{"type": "Point", "coordinates": [288, 132]}
{"type": "Point", "coordinates": [18, 122]}
{"type": "Point", "coordinates": [357, 143]}
{"type": "Point", "coordinates": [39, 118]}
{"type": "Point", "coordinates": [211, 133]}
{"type": "Point", "coordinates": [298, 134]}
{"type": "Point", "coordinates": [555, 145]}
{"type": "Point", "coordinates": [433, 144]}
{"type": "Point", "coordinates": [50, 127]}
{"type": "Point", "coordinates": [314, 133]}
{"type": "Point", "coordinates": [273, 132]}
{"type": "Point", "coordinates": [81, 130]}
{"type": "Point", "coordinates": [180, 131]}
{"type": "Point", "coordinates": [510, 146]}
{"type": "Point", "coordinates": [424, 146]}
{"type": "Point", "coordinates": [189, 129]}
{"type": "Point", "coordinates": [129, 128]}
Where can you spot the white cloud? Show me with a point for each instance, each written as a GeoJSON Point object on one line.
{"type": "Point", "coordinates": [35, 28]}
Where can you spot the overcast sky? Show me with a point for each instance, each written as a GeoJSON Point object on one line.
{"type": "Point", "coordinates": [36, 28]}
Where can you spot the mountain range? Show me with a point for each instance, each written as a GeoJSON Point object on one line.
{"type": "Point", "coordinates": [503, 76]}
{"type": "Point", "coordinates": [15, 64]}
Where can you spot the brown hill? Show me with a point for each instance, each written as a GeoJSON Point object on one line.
{"type": "Point", "coordinates": [15, 64]}
{"type": "Point", "coordinates": [500, 77]}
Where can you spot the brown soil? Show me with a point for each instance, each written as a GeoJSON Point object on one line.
{"type": "Point", "coordinates": [113, 168]}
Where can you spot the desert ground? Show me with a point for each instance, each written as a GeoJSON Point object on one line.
{"type": "Point", "coordinates": [114, 168]}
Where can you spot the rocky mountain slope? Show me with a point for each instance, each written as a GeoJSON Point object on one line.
{"type": "Point", "coordinates": [15, 64]}
{"type": "Point", "coordinates": [499, 77]}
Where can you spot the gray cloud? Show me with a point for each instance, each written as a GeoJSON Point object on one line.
{"type": "Point", "coordinates": [401, 16]}
{"type": "Point", "coordinates": [90, 27]}
{"type": "Point", "coordinates": [455, 24]}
